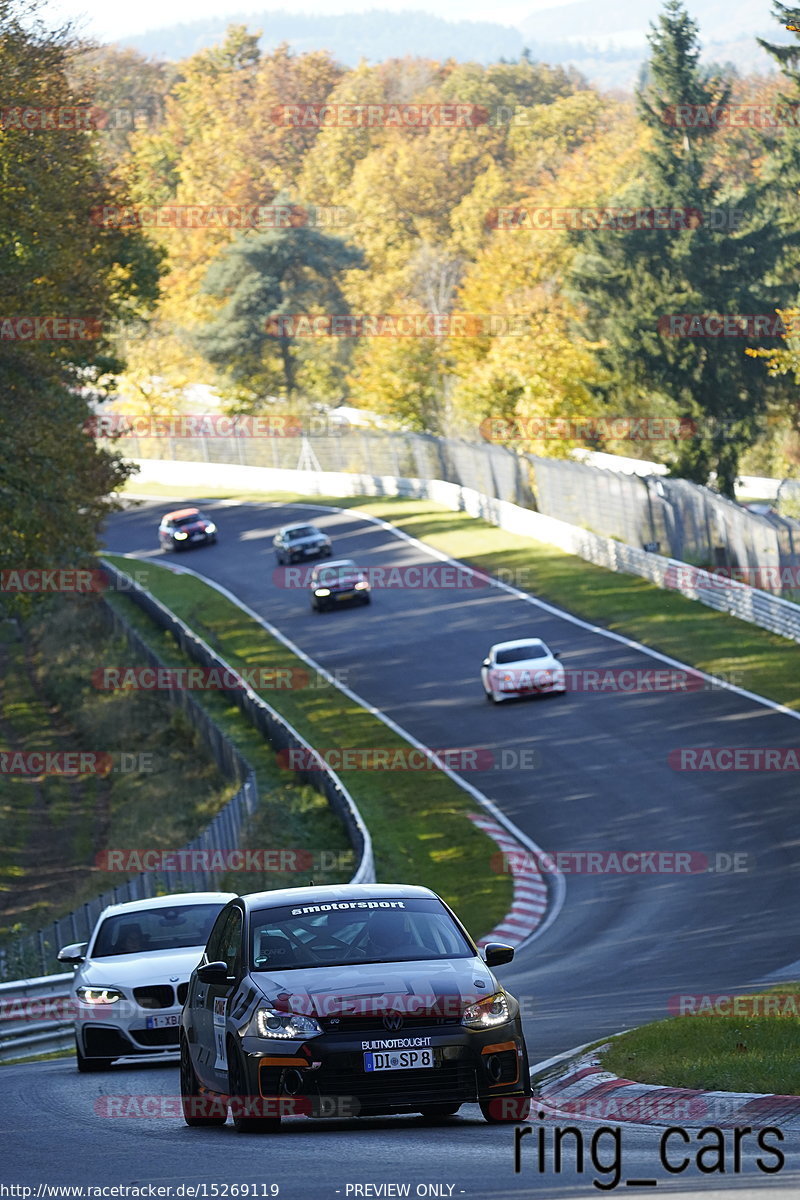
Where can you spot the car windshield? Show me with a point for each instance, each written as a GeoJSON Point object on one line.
{"type": "Point", "coordinates": [302, 532]}
{"type": "Point", "coordinates": [189, 519]}
{"type": "Point", "coordinates": [354, 932]}
{"type": "Point", "coordinates": [149, 929]}
{"type": "Point", "coordinates": [333, 572]}
{"type": "Point", "coordinates": [521, 653]}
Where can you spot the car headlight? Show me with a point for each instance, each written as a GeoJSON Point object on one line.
{"type": "Point", "coordinates": [486, 1013]}
{"type": "Point", "coordinates": [271, 1024]}
{"type": "Point", "coordinates": [180, 537]}
{"type": "Point", "coordinates": [362, 585]}
{"type": "Point", "coordinates": [211, 527]}
{"type": "Point", "coordinates": [96, 995]}
{"type": "Point", "coordinates": [322, 591]}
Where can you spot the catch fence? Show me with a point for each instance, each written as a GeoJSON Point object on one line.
{"type": "Point", "coordinates": [673, 517]}
{"type": "Point", "coordinates": [35, 953]}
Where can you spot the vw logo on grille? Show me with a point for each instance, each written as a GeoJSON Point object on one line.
{"type": "Point", "coordinates": [393, 1021]}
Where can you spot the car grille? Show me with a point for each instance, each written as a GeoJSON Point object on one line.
{"type": "Point", "coordinates": [450, 1083]}
{"type": "Point", "coordinates": [160, 995]}
{"type": "Point", "coordinates": [370, 1024]}
{"type": "Point", "coordinates": [440, 1085]}
{"type": "Point", "coordinates": [156, 1037]}
{"type": "Point", "coordinates": [183, 992]}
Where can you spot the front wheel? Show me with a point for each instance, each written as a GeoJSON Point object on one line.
{"type": "Point", "coordinates": [242, 1104]}
{"type": "Point", "coordinates": [195, 1104]}
{"type": "Point", "coordinates": [506, 1110]}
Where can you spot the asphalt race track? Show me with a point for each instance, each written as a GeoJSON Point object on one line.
{"type": "Point", "coordinates": [620, 948]}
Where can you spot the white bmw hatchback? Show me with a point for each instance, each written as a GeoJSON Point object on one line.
{"type": "Point", "coordinates": [133, 973]}
{"type": "Point", "coordinates": [525, 667]}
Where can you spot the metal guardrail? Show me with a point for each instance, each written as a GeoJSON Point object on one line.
{"type": "Point", "coordinates": [225, 830]}
{"type": "Point", "coordinates": [37, 950]}
{"type": "Point", "coordinates": [721, 592]}
{"type": "Point", "coordinates": [35, 1016]}
{"type": "Point", "coordinates": [276, 730]}
{"type": "Point", "coordinates": [689, 522]}
{"type": "Point", "coordinates": [716, 591]}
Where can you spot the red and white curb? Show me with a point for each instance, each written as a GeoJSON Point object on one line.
{"type": "Point", "coordinates": [584, 1091]}
{"type": "Point", "coordinates": [529, 905]}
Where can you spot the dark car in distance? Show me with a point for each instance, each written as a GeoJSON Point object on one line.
{"type": "Point", "coordinates": [352, 1000]}
{"type": "Point", "coordinates": [296, 543]}
{"type": "Point", "coordinates": [184, 528]}
{"type": "Point", "coordinates": [336, 583]}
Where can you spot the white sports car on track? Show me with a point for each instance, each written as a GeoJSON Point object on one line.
{"type": "Point", "coordinates": [525, 667]}
{"type": "Point", "coordinates": [133, 975]}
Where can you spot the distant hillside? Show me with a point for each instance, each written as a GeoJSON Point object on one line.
{"type": "Point", "coordinates": [372, 35]}
{"type": "Point", "coordinates": [606, 43]}
{"type": "Point", "coordinates": [585, 20]}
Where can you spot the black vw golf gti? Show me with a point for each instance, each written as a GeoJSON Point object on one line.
{"type": "Point", "coordinates": [348, 1001]}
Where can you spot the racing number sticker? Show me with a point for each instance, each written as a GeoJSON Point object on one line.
{"type": "Point", "coordinates": [221, 1063]}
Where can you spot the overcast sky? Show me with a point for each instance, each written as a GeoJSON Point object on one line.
{"type": "Point", "coordinates": [99, 19]}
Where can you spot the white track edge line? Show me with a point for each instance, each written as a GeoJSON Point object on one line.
{"type": "Point", "coordinates": [558, 885]}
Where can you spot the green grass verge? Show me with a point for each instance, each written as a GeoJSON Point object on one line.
{"type": "Point", "coordinates": [417, 821]}
{"type": "Point", "coordinates": [754, 1048]}
{"type": "Point", "coordinates": [684, 629]}
{"type": "Point", "coordinates": [55, 825]}
{"type": "Point", "coordinates": [290, 815]}
{"type": "Point", "coordinates": [34, 1058]}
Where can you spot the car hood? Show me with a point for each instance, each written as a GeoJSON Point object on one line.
{"type": "Point", "coordinates": [341, 582]}
{"type": "Point", "coordinates": [133, 970]}
{"type": "Point", "coordinates": [530, 665]}
{"type": "Point", "coordinates": [441, 987]}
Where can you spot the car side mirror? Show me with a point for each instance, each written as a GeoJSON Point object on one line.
{"type": "Point", "coordinates": [497, 953]}
{"type": "Point", "coordinates": [74, 954]}
{"type": "Point", "coordinates": [556, 654]}
{"type": "Point", "coordinates": [487, 662]}
{"type": "Point", "coordinates": [214, 972]}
